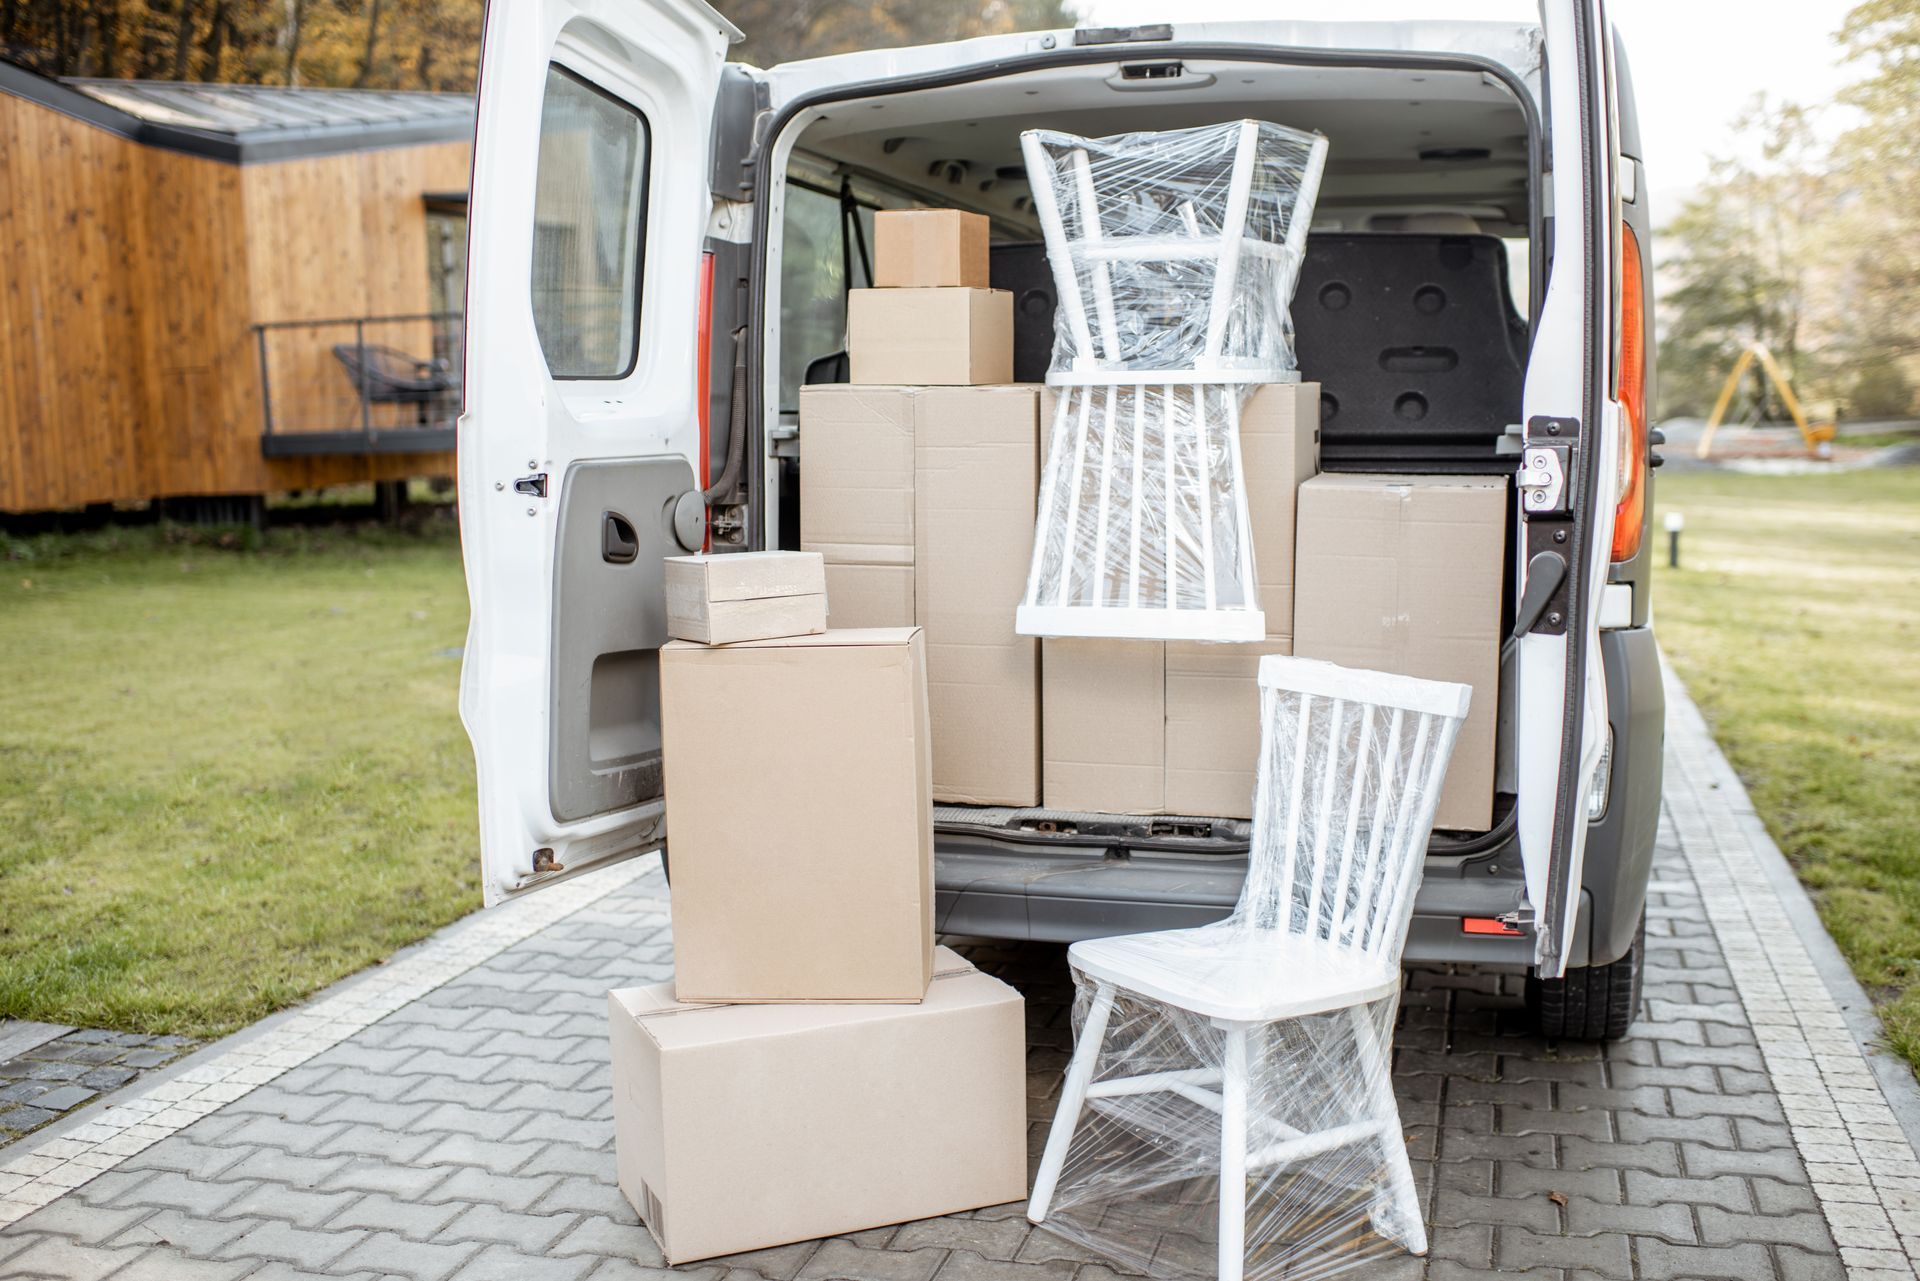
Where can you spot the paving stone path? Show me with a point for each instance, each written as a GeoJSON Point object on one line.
{"type": "Point", "coordinates": [448, 1115]}
{"type": "Point", "coordinates": [61, 1069]}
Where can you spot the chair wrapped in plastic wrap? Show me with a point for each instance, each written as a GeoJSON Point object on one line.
{"type": "Point", "coordinates": [1175, 257]}
{"type": "Point", "coordinates": [1229, 1102]}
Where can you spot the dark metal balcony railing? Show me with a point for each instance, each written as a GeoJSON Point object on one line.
{"type": "Point", "coordinates": [360, 385]}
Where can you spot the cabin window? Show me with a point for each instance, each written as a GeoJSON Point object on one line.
{"type": "Point", "coordinates": [589, 215]}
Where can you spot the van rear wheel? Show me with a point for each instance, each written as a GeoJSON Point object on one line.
{"type": "Point", "coordinates": [1592, 1003]}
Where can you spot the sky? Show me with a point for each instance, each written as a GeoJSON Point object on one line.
{"type": "Point", "coordinates": [1695, 63]}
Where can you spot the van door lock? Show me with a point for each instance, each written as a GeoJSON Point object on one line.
{"type": "Point", "coordinates": [534, 486]}
{"type": "Point", "coordinates": [1543, 479]}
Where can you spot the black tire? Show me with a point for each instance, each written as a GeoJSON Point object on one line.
{"type": "Point", "coordinates": [1593, 1003]}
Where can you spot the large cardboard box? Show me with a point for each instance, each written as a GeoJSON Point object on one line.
{"type": "Point", "coordinates": [856, 499]}
{"type": "Point", "coordinates": [1103, 725]}
{"type": "Point", "coordinates": [977, 474]}
{"type": "Point", "coordinates": [743, 596]}
{"type": "Point", "coordinates": [1213, 726]}
{"type": "Point", "coordinates": [922, 248]}
{"type": "Point", "coordinates": [930, 337]}
{"type": "Point", "coordinates": [738, 1127]}
{"type": "Point", "coordinates": [1280, 449]}
{"type": "Point", "coordinates": [1403, 574]}
{"type": "Point", "coordinates": [799, 818]}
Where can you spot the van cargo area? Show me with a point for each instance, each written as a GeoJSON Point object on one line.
{"type": "Point", "coordinates": [1410, 316]}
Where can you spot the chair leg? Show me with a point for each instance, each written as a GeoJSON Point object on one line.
{"type": "Point", "coordinates": [1233, 1154]}
{"type": "Point", "coordinates": [1405, 1222]}
{"type": "Point", "coordinates": [1072, 1095]}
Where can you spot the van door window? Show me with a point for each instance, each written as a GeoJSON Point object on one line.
{"type": "Point", "coordinates": [589, 225]}
{"type": "Point", "coordinates": [818, 264]}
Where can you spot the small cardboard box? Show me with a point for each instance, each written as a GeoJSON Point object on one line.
{"type": "Point", "coordinates": [1103, 725]}
{"type": "Point", "coordinates": [926, 248]}
{"type": "Point", "coordinates": [1213, 726]}
{"type": "Point", "coordinates": [978, 469]}
{"type": "Point", "coordinates": [799, 817]}
{"type": "Point", "coordinates": [929, 337]}
{"type": "Point", "coordinates": [1403, 574]}
{"type": "Point", "coordinates": [743, 596]}
{"type": "Point", "coordinates": [738, 1127]}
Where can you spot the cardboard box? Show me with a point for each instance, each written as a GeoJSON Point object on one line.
{"type": "Point", "coordinates": [863, 596]}
{"type": "Point", "coordinates": [856, 474]}
{"type": "Point", "coordinates": [745, 596]}
{"type": "Point", "coordinates": [1280, 448]}
{"type": "Point", "coordinates": [799, 818]}
{"type": "Point", "coordinates": [738, 1127]}
{"type": "Point", "coordinates": [930, 337]}
{"type": "Point", "coordinates": [921, 248]}
{"type": "Point", "coordinates": [1213, 726]}
{"type": "Point", "coordinates": [978, 470]}
{"type": "Point", "coordinates": [1103, 725]}
{"type": "Point", "coordinates": [1404, 574]}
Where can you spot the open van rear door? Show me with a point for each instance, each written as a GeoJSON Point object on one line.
{"type": "Point", "coordinates": [581, 434]}
{"type": "Point", "coordinates": [1569, 478]}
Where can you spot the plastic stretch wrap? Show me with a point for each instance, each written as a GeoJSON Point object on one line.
{"type": "Point", "coordinates": [1149, 472]}
{"type": "Point", "coordinates": [1230, 1104]}
{"type": "Point", "coordinates": [1174, 257]}
{"type": "Point", "coordinates": [1176, 251]}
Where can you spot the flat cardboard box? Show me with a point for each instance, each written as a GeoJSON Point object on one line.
{"type": "Point", "coordinates": [856, 474]}
{"type": "Point", "coordinates": [743, 596]}
{"type": "Point", "coordinates": [738, 1127]}
{"type": "Point", "coordinates": [1213, 726]}
{"type": "Point", "coordinates": [862, 596]}
{"type": "Point", "coordinates": [930, 337]}
{"type": "Point", "coordinates": [1404, 574]}
{"type": "Point", "coordinates": [1103, 725]}
{"type": "Point", "coordinates": [921, 248]}
{"type": "Point", "coordinates": [977, 474]}
{"type": "Point", "coordinates": [1280, 449]}
{"type": "Point", "coordinates": [799, 817]}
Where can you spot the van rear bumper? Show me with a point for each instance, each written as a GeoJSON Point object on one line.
{"type": "Point", "coordinates": [998, 891]}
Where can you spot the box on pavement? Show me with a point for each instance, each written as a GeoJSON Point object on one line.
{"type": "Point", "coordinates": [976, 475]}
{"type": "Point", "coordinates": [799, 819]}
{"type": "Point", "coordinates": [918, 248]}
{"type": "Point", "coordinates": [738, 1127]}
{"type": "Point", "coordinates": [1403, 574]}
{"type": "Point", "coordinates": [743, 596]}
{"type": "Point", "coordinates": [856, 499]}
{"type": "Point", "coordinates": [930, 337]}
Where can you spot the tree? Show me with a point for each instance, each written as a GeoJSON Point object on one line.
{"type": "Point", "coordinates": [1744, 253]}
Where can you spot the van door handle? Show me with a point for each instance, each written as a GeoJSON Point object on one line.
{"type": "Point", "coordinates": [619, 545]}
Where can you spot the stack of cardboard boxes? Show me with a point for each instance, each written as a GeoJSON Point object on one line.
{"type": "Point", "coordinates": [817, 1066]}
{"type": "Point", "coordinates": [917, 486]}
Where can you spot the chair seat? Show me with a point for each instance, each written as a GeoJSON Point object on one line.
{"type": "Point", "coordinates": [1235, 974]}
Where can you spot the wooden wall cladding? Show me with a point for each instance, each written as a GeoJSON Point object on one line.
{"type": "Point", "coordinates": [128, 365]}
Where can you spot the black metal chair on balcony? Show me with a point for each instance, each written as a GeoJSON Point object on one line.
{"type": "Point", "coordinates": [384, 375]}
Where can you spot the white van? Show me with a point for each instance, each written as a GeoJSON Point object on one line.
{"type": "Point", "coordinates": [661, 242]}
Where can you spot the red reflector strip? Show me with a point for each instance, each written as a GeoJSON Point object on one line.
{"type": "Point", "coordinates": [1488, 925]}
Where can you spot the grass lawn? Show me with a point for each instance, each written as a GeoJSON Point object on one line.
{"type": "Point", "coordinates": [229, 773]}
{"type": "Point", "coordinates": [1796, 625]}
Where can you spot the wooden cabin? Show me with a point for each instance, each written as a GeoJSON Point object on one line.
{"type": "Point", "coordinates": [217, 291]}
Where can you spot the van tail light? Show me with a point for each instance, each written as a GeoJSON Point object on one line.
{"type": "Point", "coordinates": [1629, 516]}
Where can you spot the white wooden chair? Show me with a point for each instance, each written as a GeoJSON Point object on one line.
{"type": "Point", "coordinates": [1279, 1018]}
{"type": "Point", "coordinates": [1188, 244]}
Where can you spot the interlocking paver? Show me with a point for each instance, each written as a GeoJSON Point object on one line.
{"type": "Point", "coordinates": [467, 1132]}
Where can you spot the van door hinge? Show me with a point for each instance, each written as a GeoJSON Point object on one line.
{"type": "Point", "coordinates": [1520, 919]}
{"type": "Point", "coordinates": [534, 486]}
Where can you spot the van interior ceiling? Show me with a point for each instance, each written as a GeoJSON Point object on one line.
{"type": "Point", "coordinates": [1428, 173]}
{"type": "Point", "coordinates": [1412, 307]}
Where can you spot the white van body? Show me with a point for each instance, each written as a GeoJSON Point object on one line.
{"type": "Point", "coordinates": [625, 354]}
